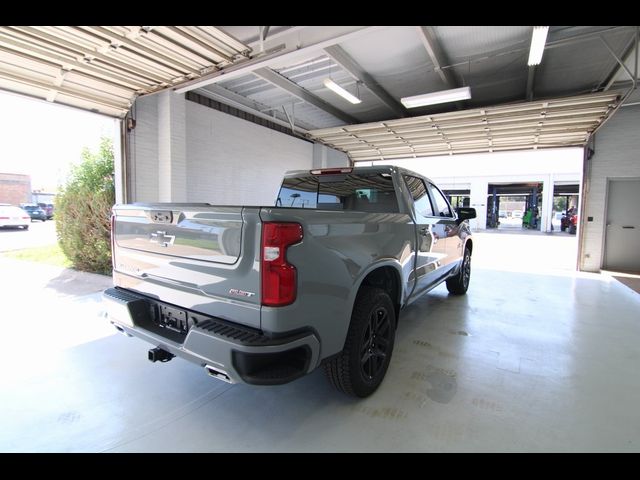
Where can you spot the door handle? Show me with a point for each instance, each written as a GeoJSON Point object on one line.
{"type": "Point", "coordinates": [628, 226]}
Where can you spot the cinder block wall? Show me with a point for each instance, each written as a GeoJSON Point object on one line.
{"type": "Point", "coordinates": [229, 161]}
{"type": "Point", "coordinates": [617, 155]}
{"type": "Point", "coordinates": [235, 162]}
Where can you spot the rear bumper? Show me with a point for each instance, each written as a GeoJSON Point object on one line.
{"type": "Point", "coordinates": [241, 354]}
{"type": "Point", "coordinates": [16, 223]}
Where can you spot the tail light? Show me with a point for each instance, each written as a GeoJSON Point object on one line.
{"type": "Point", "coordinates": [279, 282]}
{"type": "Point", "coordinates": [4, 218]}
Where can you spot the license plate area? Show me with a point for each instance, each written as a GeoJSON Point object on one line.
{"type": "Point", "coordinates": [173, 319]}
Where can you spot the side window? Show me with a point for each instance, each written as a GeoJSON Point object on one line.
{"type": "Point", "coordinates": [441, 204]}
{"type": "Point", "coordinates": [419, 195]}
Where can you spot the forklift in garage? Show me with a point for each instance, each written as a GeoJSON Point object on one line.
{"type": "Point", "coordinates": [531, 217]}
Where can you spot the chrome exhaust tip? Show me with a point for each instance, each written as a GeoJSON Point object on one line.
{"type": "Point", "coordinates": [217, 373]}
{"type": "Point", "coordinates": [122, 330]}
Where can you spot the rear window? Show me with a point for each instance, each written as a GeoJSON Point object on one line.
{"type": "Point", "coordinates": [365, 192]}
{"type": "Point", "coordinates": [10, 210]}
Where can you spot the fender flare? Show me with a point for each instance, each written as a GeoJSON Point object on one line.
{"type": "Point", "coordinates": [395, 264]}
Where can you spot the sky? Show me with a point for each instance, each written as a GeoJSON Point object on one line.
{"type": "Point", "coordinates": [43, 140]}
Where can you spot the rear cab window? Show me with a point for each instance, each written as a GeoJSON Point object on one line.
{"type": "Point", "coordinates": [442, 208]}
{"type": "Point", "coordinates": [419, 195]}
{"type": "Point", "coordinates": [365, 192]}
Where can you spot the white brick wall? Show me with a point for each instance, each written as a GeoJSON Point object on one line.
{"type": "Point", "coordinates": [143, 152]}
{"type": "Point", "coordinates": [229, 161]}
{"type": "Point", "coordinates": [235, 162]}
{"type": "Point", "coordinates": [172, 148]}
{"type": "Point", "coordinates": [617, 155]}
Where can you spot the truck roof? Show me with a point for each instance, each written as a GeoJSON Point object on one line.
{"type": "Point", "coordinates": [363, 169]}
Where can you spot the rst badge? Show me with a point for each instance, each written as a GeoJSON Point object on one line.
{"type": "Point", "coordinates": [240, 293]}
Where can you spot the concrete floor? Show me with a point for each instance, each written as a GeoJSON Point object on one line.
{"type": "Point", "coordinates": [542, 361]}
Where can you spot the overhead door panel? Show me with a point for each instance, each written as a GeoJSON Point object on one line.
{"type": "Point", "coordinates": [104, 68]}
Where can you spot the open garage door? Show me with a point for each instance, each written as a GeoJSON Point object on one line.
{"type": "Point", "coordinates": [559, 122]}
{"type": "Point", "coordinates": [102, 68]}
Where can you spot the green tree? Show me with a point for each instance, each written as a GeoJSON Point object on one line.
{"type": "Point", "coordinates": [83, 210]}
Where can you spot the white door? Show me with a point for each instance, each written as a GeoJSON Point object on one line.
{"type": "Point", "coordinates": [622, 238]}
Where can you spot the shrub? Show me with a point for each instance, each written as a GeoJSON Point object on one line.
{"type": "Point", "coordinates": [83, 211]}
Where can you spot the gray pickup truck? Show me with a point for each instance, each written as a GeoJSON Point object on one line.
{"type": "Point", "coordinates": [264, 295]}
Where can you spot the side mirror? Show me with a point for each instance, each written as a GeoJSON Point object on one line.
{"type": "Point", "coordinates": [465, 213]}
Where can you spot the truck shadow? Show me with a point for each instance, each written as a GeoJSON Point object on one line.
{"type": "Point", "coordinates": [76, 283]}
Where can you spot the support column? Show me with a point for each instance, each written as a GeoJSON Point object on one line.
{"type": "Point", "coordinates": [325, 157]}
{"type": "Point", "coordinates": [478, 193]}
{"type": "Point", "coordinates": [547, 203]}
{"type": "Point", "coordinates": [172, 148]}
{"type": "Point", "coordinates": [119, 177]}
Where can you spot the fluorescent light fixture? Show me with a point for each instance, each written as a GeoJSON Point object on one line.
{"type": "Point", "coordinates": [443, 96]}
{"type": "Point", "coordinates": [331, 85]}
{"type": "Point", "coordinates": [538, 39]}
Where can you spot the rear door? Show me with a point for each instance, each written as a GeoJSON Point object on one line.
{"type": "Point", "coordinates": [430, 236]}
{"type": "Point", "coordinates": [447, 227]}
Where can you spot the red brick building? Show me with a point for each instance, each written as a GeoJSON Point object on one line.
{"type": "Point", "coordinates": [15, 188]}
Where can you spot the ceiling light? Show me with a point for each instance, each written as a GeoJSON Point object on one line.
{"type": "Point", "coordinates": [443, 96]}
{"type": "Point", "coordinates": [538, 39]}
{"type": "Point", "coordinates": [331, 85]}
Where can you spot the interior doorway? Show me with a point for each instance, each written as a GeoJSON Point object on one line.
{"type": "Point", "coordinates": [622, 236]}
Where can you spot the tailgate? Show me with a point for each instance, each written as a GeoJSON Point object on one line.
{"type": "Point", "coordinates": [201, 232]}
{"type": "Point", "coordinates": [197, 256]}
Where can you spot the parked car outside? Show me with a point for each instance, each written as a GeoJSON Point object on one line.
{"type": "Point", "coordinates": [34, 211]}
{"type": "Point", "coordinates": [11, 216]}
{"type": "Point", "coordinates": [48, 209]}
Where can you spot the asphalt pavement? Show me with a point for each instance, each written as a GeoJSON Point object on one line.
{"type": "Point", "coordinates": [39, 234]}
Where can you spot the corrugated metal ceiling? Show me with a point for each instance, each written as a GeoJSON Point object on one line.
{"type": "Point", "coordinates": [559, 122]}
{"type": "Point", "coordinates": [102, 68]}
{"type": "Point", "coordinates": [280, 76]}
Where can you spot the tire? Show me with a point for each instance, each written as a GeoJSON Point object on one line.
{"type": "Point", "coordinates": [348, 372]}
{"type": "Point", "coordinates": [458, 284]}
{"type": "Point", "coordinates": [25, 227]}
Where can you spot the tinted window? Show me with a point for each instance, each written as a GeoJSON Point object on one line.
{"type": "Point", "coordinates": [419, 195]}
{"type": "Point", "coordinates": [441, 205]}
{"type": "Point", "coordinates": [366, 192]}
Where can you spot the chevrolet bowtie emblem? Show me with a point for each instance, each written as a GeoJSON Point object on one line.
{"type": "Point", "coordinates": [162, 239]}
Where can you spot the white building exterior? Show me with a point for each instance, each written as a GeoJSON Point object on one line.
{"type": "Point", "coordinates": [475, 172]}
